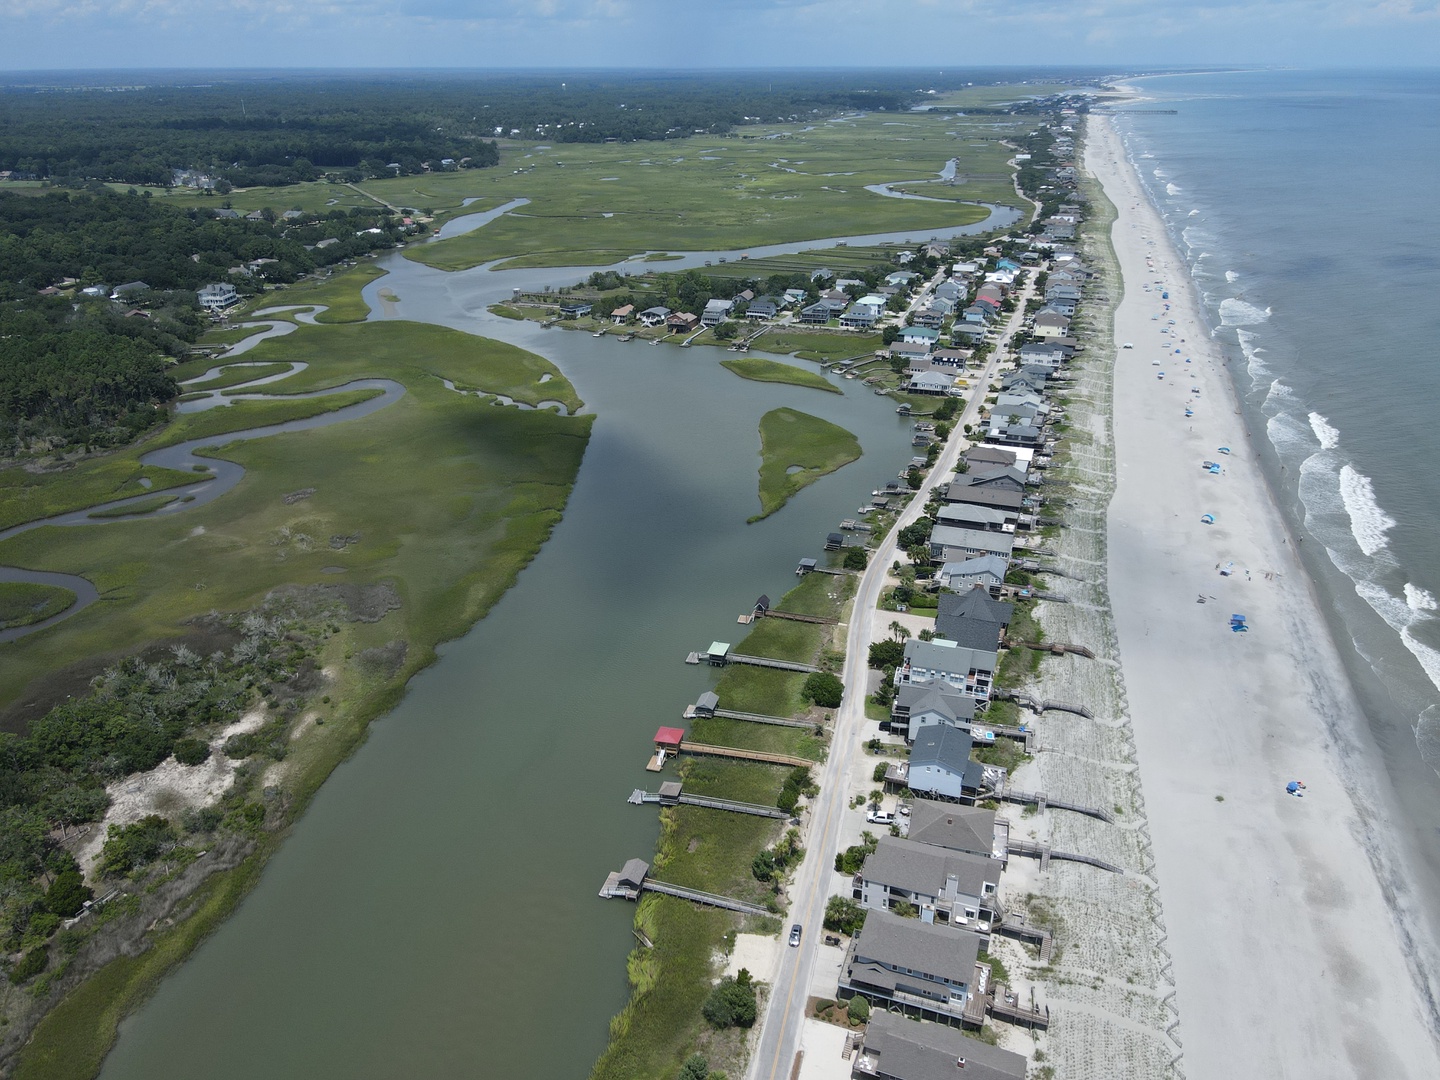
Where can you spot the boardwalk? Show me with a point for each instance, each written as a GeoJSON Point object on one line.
{"type": "Point", "coordinates": [768, 662]}
{"type": "Point", "coordinates": [639, 797]}
{"type": "Point", "coordinates": [761, 718]}
{"type": "Point", "coordinates": [688, 747]}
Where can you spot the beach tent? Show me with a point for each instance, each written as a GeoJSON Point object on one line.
{"type": "Point", "coordinates": [1237, 624]}
{"type": "Point", "coordinates": [1224, 449]}
{"type": "Point", "coordinates": [1189, 412]}
{"type": "Point", "coordinates": [1207, 519]}
{"type": "Point", "coordinates": [1215, 467]}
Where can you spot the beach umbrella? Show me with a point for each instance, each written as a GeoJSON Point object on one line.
{"type": "Point", "coordinates": [1224, 449]}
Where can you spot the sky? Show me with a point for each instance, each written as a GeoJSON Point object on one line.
{"type": "Point", "coordinates": [118, 34]}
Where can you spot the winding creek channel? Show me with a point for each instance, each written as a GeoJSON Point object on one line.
{"type": "Point", "coordinates": [434, 913]}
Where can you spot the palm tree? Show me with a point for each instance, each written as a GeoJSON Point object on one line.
{"type": "Point", "coordinates": [897, 631]}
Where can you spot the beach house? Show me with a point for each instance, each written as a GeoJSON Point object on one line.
{"type": "Point", "coordinates": [896, 1048]}
{"type": "Point", "coordinates": [951, 544]}
{"type": "Point", "coordinates": [960, 828]}
{"type": "Point", "coordinates": [949, 888]}
{"type": "Point", "coordinates": [987, 571]}
{"type": "Point", "coordinates": [927, 702]}
{"type": "Point", "coordinates": [912, 964]}
{"type": "Point", "coordinates": [968, 670]}
{"type": "Point", "coordinates": [973, 619]}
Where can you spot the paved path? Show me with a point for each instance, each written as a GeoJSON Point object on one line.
{"type": "Point", "coordinates": [784, 1016]}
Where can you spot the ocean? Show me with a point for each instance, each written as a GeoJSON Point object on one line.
{"type": "Point", "coordinates": [1301, 201]}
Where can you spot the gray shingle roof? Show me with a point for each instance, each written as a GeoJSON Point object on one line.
{"type": "Point", "coordinates": [941, 746]}
{"type": "Point", "coordinates": [922, 869]}
{"type": "Point", "coordinates": [959, 828]}
{"type": "Point", "coordinates": [908, 943]}
{"type": "Point", "coordinates": [904, 1050]}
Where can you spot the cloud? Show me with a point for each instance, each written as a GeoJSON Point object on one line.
{"type": "Point", "coordinates": [748, 33]}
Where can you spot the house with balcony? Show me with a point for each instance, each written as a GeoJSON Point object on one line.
{"type": "Point", "coordinates": [926, 703]}
{"type": "Point", "coordinates": [953, 889]}
{"type": "Point", "coordinates": [969, 671]}
{"type": "Point", "coordinates": [915, 966]}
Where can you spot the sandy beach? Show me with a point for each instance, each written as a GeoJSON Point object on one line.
{"type": "Point", "coordinates": [1287, 960]}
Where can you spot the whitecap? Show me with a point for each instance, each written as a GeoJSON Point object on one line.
{"type": "Point", "coordinates": [1160, 174]}
{"type": "Point", "coordinates": [1253, 362]}
{"type": "Point", "coordinates": [1193, 213]}
{"type": "Point", "coordinates": [1237, 312]}
{"type": "Point", "coordinates": [1328, 436]}
{"type": "Point", "coordinates": [1420, 599]}
{"type": "Point", "coordinates": [1232, 276]}
{"type": "Point", "coordinates": [1401, 617]}
{"type": "Point", "coordinates": [1173, 189]}
{"type": "Point", "coordinates": [1368, 522]}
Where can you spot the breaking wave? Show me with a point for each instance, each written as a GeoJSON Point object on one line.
{"type": "Point", "coordinates": [1328, 436]}
{"type": "Point", "coordinates": [1368, 521]}
{"type": "Point", "coordinates": [1236, 312]}
{"type": "Point", "coordinates": [1420, 599]}
{"type": "Point", "coordinates": [1232, 276]}
{"type": "Point", "coordinates": [1402, 617]}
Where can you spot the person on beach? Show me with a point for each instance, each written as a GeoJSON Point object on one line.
{"type": "Point", "coordinates": [1296, 788]}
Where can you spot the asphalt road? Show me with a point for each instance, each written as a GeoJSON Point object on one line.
{"type": "Point", "coordinates": [784, 1015]}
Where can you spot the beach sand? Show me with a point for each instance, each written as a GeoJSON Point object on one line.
{"type": "Point", "coordinates": [1287, 960]}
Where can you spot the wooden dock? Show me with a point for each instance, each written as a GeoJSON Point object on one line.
{"type": "Point", "coordinates": [769, 662]}
{"type": "Point", "coordinates": [706, 749]}
{"type": "Point", "coordinates": [630, 882]}
{"type": "Point", "coordinates": [795, 616]}
{"type": "Point", "coordinates": [761, 718]}
{"type": "Point", "coordinates": [640, 797]}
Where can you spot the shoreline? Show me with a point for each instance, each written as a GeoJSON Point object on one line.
{"type": "Point", "coordinates": [1271, 900]}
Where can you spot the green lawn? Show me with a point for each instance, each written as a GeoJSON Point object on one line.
{"type": "Point", "coordinates": [796, 449]}
{"type": "Point", "coordinates": [773, 371]}
{"type": "Point", "coordinates": [773, 184]}
{"type": "Point", "coordinates": [22, 604]}
{"type": "Point", "coordinates": [821, 346]}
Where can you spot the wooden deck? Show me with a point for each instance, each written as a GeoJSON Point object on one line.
{"type": "Point", "coordinates": [745, 755]}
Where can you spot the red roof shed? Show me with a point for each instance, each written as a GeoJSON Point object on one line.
{"type": "Point", "coordinates": [669, 737]}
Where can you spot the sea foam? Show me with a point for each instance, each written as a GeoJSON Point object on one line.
{"type": "Point", "coordinates": [1232, 276]}
{"type": "Point", "coordinates": [1328, 436]}
{"type": "Point", "coordinates": [1368, 521]}
{"type": "Point", "coordinates": [1237, 312]}
{"type": "Point", "coordinates": [1419, 599]}
{"type": "Point", "coordinates": [1173, 189]}
{"type": "Point", "coordinates": [1402, 618]}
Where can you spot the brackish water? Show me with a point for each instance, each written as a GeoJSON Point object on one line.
{"type": "Point", "coordinates": [1301, 200]}
{"type": "Point", "coordinates": [435, 913]}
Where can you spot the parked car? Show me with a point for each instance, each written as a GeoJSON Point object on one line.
{"type": "Point", "coordinates": [880, 817]}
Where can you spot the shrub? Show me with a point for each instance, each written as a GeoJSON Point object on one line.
{"type": "Point", "coordinates": [855, 559]}
{"type": "Point", "coordinates": [763, 865]}
{"type": "Point", "coordinates": [191, 751]}
{"type": "Point", "coordinates": [67, 894]}
{"type": "Point", "coordinates": [29, 965]}
{"type": "Point", "coordinates": [879, 774]}
{"type": "Point", "coordinates": [731, 1003]}
{"type": "Point", "coordinates": [844, 916]}
{"type": "Point", "coordinates": [824, 689]}
{"type": "Point", "coordinates": [695, 1068]}
{"type": "Point", "coordinates": [859, 1008]}
{"type": "Point", "coordinates": [135, 845]}
{"type": "Point", "coordinates": [887, 654]}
